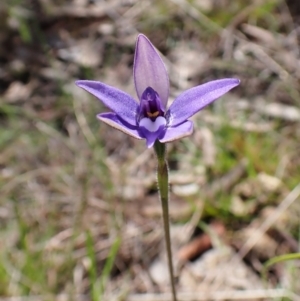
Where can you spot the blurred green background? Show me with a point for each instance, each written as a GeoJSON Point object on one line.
{"type": "Point", "coordinates": [79, 212]}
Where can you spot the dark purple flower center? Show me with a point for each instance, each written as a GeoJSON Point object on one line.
{"type": "Point", "coordinates": [150, 105]}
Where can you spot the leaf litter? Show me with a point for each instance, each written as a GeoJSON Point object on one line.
{"type": "Point", "coordinates": [61, 174]}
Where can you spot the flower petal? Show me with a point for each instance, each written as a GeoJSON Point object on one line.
{"type": "Point", "coordinates": [119, 124]}
{"type": "Point", "coordinates": [153, 126]}
{"type": "Point", "coordinates": [152, 130]}
{"type": "Point", "coordinates": [150, 139]}
{"type": "Point", "coordinates": [177, 132]}
{"type": "Point", "coordinates": [193, 100]}
{"type": "Point", "coordinates": [118, 101]}
{"type": "Point", "coordinates": [149, 70]}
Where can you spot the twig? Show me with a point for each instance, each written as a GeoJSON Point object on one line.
{"type": "Point", "coordinates": [250, 243]}
{"type": "Point", "coordinates": [188, 296]}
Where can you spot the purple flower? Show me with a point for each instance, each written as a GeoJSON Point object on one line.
{"type": "Point", "coordinates": [150, 119]}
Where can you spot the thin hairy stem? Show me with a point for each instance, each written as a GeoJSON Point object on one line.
{"type": "Point", "coordinates": [163, 186]}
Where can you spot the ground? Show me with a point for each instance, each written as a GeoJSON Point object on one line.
{"type": "Point", "coordinates": [79, 211]}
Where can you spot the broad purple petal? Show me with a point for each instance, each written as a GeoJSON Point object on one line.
{"type": "Point", "coordinates": [177, 132]}
{"type": "Point", "coordinates": [193, 100]}
{"type": "Point", "coordinates": [149, 70]}
{"type": "Point", "coordinates": [119, 124]}
{"type": "Point", "coordinates": [118, 101]}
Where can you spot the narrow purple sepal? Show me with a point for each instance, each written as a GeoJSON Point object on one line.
{"type": "Point", "coordinates": [114, 121]}
{"type": "Point", "coordinates": [149, 70]}
{"type": "Point", "coordinates": [173, 133]}
{"type": "Point", "coordinates": [118, 101]}
{"type": "Point", "coordinates": [193, 100]}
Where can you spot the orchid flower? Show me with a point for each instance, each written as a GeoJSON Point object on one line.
{"type": "Point", "coordinates": [150, 118]}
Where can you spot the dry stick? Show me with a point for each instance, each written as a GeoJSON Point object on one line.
{"type": "Point", "coordinates": [213, 295]}
{"type": "Point", "coordinates": [289, 199]}
{"type": "Point", "coordinates": [219, 295]}
{"type": "Point", "coordinates": [250, 243]}
{"type": "Point", "coordinates": [163, 186]}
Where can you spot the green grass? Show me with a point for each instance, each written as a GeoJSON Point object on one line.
{"type": "Point", "coordinates": [98, 284]}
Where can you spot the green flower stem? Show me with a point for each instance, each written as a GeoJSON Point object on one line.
{"type": "Point", "coordinates": [163, 186]}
